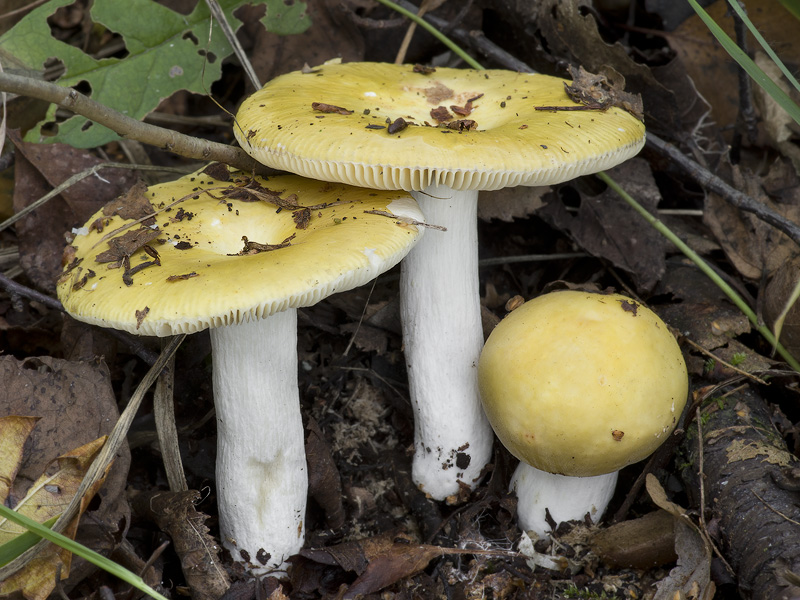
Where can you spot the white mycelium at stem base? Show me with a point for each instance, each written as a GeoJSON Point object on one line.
{"type": "Point", "coordinates": [443, 337]}
{"type": "Point", "coordinates": [566, 498]}
{"type": "Point", "coordinates": [262, 479]}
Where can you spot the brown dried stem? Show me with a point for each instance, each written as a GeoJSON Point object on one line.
{"type": "Point", "coordinates": [127, 127]}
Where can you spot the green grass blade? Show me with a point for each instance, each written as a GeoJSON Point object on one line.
{"type": "Point", "coordinates": [793, 6]}
{"type": "Point", "coordinates": [764, 45]}
{"type": "Point", "coordinates": [16, 546]}
{"type": "Point", "coordinates": [434, 32]}
{"type": "Point", "coordinates": [80, 550]}
{"type": "Point", "coordinates": [751, 68]}
{"type": "Point", "coordinates": [704, 267]}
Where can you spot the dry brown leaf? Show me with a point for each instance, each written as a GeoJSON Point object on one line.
{"type": "Point", "coordinates": [776, 296]}
{"type": "Point", "coordinates": [14, 430]}
{"type": "Point", "coordinates": [510, 203]}
{"type": "Point", "coordinates": [691, 578]}
{"type": "Point", "coordinates": [45, 499]}
{"type": "Point", "coordinates": [608, 228]}
{"type": "Point", "coordinates": [38, 169]}
{"type": "Point", "coordinates": [175, 515]}
{"type": "Point", "coordinates": [571, 33]}
{"type": "Point", "coordinates": [75, 403]}
{"type": "Point", "coordinates": [713, 71]}
{"type": "Point", "coordinates": [378, 561]}
{"type": "Point", "coordinates": [755, 248]}
{"type": "Point", "coordinates": [324, 482]}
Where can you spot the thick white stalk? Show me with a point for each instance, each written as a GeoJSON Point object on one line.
{"type": "Point", "coordinates": [567, 498]}
{"type": "Point", "coordinates": [442, 337]}
{"type": "Point", "coordinates": [262, 481]}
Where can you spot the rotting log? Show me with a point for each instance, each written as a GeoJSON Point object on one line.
{"type": "Point", "coordinates": [751, 484]}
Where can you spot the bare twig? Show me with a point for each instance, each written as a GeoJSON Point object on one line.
{"type": "Point", "coordinates": [75, 179]}
{"type": "Point", "coordinates": [732, 196]}
{"type": "Point", "coordinates": [134, 343]}
{"type": "Point", "coordinates": [172, 141]}
{"type": "Point", "coordinates": [475, 40]}
{"type": "Point", "coordinates": [217, 13]}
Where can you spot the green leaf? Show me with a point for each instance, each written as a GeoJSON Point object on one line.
{"type": "Point", "coordinates": [286, 17]}
{"type": "Point", "coordinates": [167, 52]}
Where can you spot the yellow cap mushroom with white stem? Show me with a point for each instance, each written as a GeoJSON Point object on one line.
{"type": "Point", "coordinates": [233, 250]}
{"type": "Point", "coordinates": [444, 134]}
{"type": "Point", "coordinates": [388, 126]}
{"type": "Point", "coordinates": [219, 249]}
{"type": "Point", "coordinates": [578, 385]}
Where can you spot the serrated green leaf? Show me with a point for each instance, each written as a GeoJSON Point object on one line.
{"type": "Point", "coordinates": [286, 17]}
{"type": "Point", "coordinates": [167, 52]}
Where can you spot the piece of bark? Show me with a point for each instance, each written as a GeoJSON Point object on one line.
{"type": "Point", "coordinates": [175, 515]}
{"type": "Point", "coordinates": [642, 543]}
{"type": "Point", "coordinates": [751, 484]}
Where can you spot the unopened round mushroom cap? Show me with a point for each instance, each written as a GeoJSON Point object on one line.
{"type": "Point", "coordinates": [236, 248]}
{"type": "Point", "coordinates": [389, 126]}
{"type": "Point", "coordinates": [582, 384]}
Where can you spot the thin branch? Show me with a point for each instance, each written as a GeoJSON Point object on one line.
{"type": "Point", "coordinates": [133, 342]}
{"type": "Point", "coordinates": [127, 127]}
{"type": "Point", "coordinates": [732, 196]}
{"type": "Point", "coordinates": [475, 39]}
{"type": "Point", "coordinates": [217, 13]}
{"type": "Point", "coordinates": [75, 179]}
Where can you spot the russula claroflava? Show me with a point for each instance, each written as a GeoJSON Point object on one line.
{"type": "Point", "coordinates": [578, 385]}
{"type": "Point", "coordinates": [239, 255]}
{"type": "Point", "coordinates": [444, 134]}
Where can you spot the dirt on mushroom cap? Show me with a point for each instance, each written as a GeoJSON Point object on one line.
{"type": "Point", "coordinates": [206, 274]}
{"type": "Point", "coordinates": [511, 143]}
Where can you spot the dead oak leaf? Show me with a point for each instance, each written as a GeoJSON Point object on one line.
{"type": "Point", "coordinates": [127, 244]}
{"type": "Point", "coordinates": [132, 205]}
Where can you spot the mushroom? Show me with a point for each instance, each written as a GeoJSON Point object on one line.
{"type": "Point", "coordinates": [445, 134]}
{"type": "Point", "coordinates": [578, 385]}
{"type": "Point", "coordinates": [238, 255]}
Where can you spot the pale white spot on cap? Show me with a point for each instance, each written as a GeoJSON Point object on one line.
{"type": "Point", "coordinates": [374, 259]}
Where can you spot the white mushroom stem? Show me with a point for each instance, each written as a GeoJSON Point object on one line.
{"type": "Point", "coordinates": [442, 337]}
{"type": "Point", "coordinates": [567, 498]}
{"type": "Point", "coordinates": [262, 481]}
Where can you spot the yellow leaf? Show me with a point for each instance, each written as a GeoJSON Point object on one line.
{"type": "Point", "coordinates": [14, 430]}
{"type": "Point", "coordinates": [46, 498]}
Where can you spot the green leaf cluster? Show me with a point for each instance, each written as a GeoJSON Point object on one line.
{"type": "Point", "coordinates": [166, 52]}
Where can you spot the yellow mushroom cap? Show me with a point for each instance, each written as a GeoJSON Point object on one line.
{"type": "Point", "coordinates": [582, 384]}
{"type": "Point", "coordinates": [511, 144]}
{"type": "Point", "coordinates": [203, 281]}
